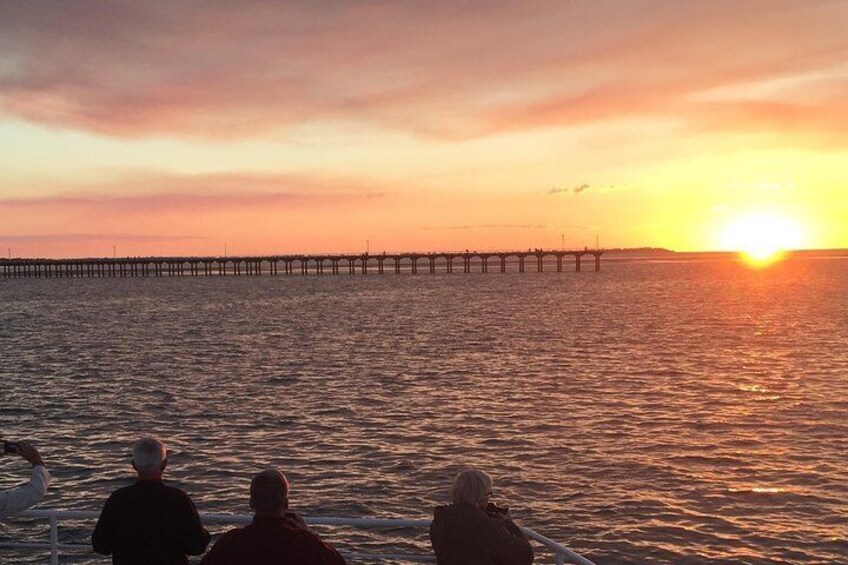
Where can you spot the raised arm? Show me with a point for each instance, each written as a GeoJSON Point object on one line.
{"type": "Point", "coordinates": [507, 543]}
{"type": "Point", "coordinates": [26, 495]}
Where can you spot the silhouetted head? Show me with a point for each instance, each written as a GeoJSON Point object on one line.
{"type": "Point", "coordinates": [149, 458]}
{"type": "Point", "coordinates": [472, 487]}
{"type": "Point", "coordinates": [269, 492]}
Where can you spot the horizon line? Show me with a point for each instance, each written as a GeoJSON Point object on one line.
{"type": "Point", "coordinates": [328, 255]}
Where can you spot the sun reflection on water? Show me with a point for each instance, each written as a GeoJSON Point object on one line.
{"type": "Point", "coordinates": [759, 490]}
{"type": "Point", "coordinates": [761, 393]}
{"type": "Point", "coordinates": [762, 258]}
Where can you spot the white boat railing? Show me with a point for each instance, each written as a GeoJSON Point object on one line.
{"type": "Point", "coordinates": [562, 554]}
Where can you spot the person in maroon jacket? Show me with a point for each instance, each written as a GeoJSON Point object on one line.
{"type": "Point", "coordinates": [275, 536]}
{"type": "Point", "coordinates": [473, 530]}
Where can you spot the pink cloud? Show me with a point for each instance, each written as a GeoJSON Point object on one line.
{"type": "Point", "coordinates": [443, 69]}
{"type": "Point", "coordinates": [161, 193]}
{"type": "Point", "coordinates": [810, 123]}
{"type": "Point", "coordinates": [95, 237]}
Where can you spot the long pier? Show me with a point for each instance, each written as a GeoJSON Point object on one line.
{"type": "Point", "coordinates": [287, 265]}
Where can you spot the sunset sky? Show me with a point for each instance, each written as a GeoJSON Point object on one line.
{"type": "Point", "coordinates": [174, 128]}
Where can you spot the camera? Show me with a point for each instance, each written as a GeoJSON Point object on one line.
{"type": "Point", "coordinates": [11, 447]}
{"type": "Point", "coordinates": [494, 509]}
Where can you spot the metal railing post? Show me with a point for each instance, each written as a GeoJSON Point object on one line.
{"type": "Point", "coordinates": [560, 558]}
{"type": "Point", "coordinates": [54, 539]}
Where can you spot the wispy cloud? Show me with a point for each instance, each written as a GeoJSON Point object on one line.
{"type": "Point", "coordinates": [812, 124]}
{"type": "Point", "coordinates": [489, 227]}
{"type": "Point", "coordinates": [93, 237]}
{"type": "Point", "coordinates": [139, 204]}
{"type": "Point", "coordinates": [162, 193]}
{"type": "Point", "coordinates": [444, 69]}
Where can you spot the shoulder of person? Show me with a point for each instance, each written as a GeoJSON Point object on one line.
{"type": "Point", "coordinates": [228, 542]}
{"type": "Point", "coordinates": [295, 519]}
{"type": "Point", "coordinates": [304, 535]}
{"type": "Point", "coordinates": [122, 492]}
{"type": "Point", "coordinates": [495, 523]}
{"type": "Point", "coordinates": [233, 534]}
{"type": "Point", "coordinates": [176, 492]}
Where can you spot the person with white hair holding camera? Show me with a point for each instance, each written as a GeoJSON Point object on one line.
{"type": "Point", "coordinates": [475, 531]}
{"type": "Point", "coordinates": [149, 521]}
{"type": "Point", "coordinates": [22, 497]}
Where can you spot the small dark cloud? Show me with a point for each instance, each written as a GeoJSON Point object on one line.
{"type": "Point", "coordinates": [574, 189]}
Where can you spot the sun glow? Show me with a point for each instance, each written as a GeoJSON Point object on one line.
{"type": "Point", "coordinates": [762, 237]}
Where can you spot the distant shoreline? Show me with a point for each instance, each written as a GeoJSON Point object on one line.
{"type": "Point", "coordinates": [664, 251]}
{"type": "Point", "coordinates": [649, 253]}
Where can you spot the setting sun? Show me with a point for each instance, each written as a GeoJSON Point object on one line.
{"type": "Point", "coordinates": [762, 237]}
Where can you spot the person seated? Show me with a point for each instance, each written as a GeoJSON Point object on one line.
{"type": "Point", "coordinates": [22, 497]}
{"type": "Point", "coordinates": [474, 531]}
{"type": "Point", "coordinates": [275, 536]}
{"type": "Point", "coordinates": [149, 522]}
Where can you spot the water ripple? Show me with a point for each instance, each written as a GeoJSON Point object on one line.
{"type": "Point", "coordinates": [652, 413]}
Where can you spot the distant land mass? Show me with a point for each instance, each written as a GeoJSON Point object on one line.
{"type": "Point", "coordinates": [636, 253]}
{"type": "Point", "coordinates": [663, 250]}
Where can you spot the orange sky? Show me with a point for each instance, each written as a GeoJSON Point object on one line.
{"type": "Point", "coordinates": [158, 128]}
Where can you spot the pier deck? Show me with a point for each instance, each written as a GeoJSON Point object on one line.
{"type": "Point", "coordinates": [302, 264]}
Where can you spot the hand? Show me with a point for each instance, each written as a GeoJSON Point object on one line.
{"type": "Point", "coordinates": [500, 512]}
{"type": "Point", "coordinates": [505, 515]}
{"type": "Point", "coordinates": [297, 519]}
{"type": "Point", "coordinates": [29, 453]}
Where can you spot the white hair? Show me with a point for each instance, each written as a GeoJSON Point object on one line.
{"type": "Point", "coordinates": [471, 487]}
{"type": "Point", "coordinates": [148, 455]}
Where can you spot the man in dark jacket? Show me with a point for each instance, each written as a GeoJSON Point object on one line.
{"type": "Point", "coordinates": [149, 522]}
{"type": "Point", "coordinates": [472, 531]}
{"type": "Point", "coordinates": [275, 536]}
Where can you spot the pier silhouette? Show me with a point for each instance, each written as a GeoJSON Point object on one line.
{"type": "Point", "coordinates": [300, 264]}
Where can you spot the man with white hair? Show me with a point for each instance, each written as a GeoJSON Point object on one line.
{"type": "Point", "coordinates": [149, 522]}
{"type": "Point", "coordinates": [475, 531]}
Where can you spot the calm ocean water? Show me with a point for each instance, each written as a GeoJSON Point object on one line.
{"type": "Point", "coordinates": [686, 412]}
